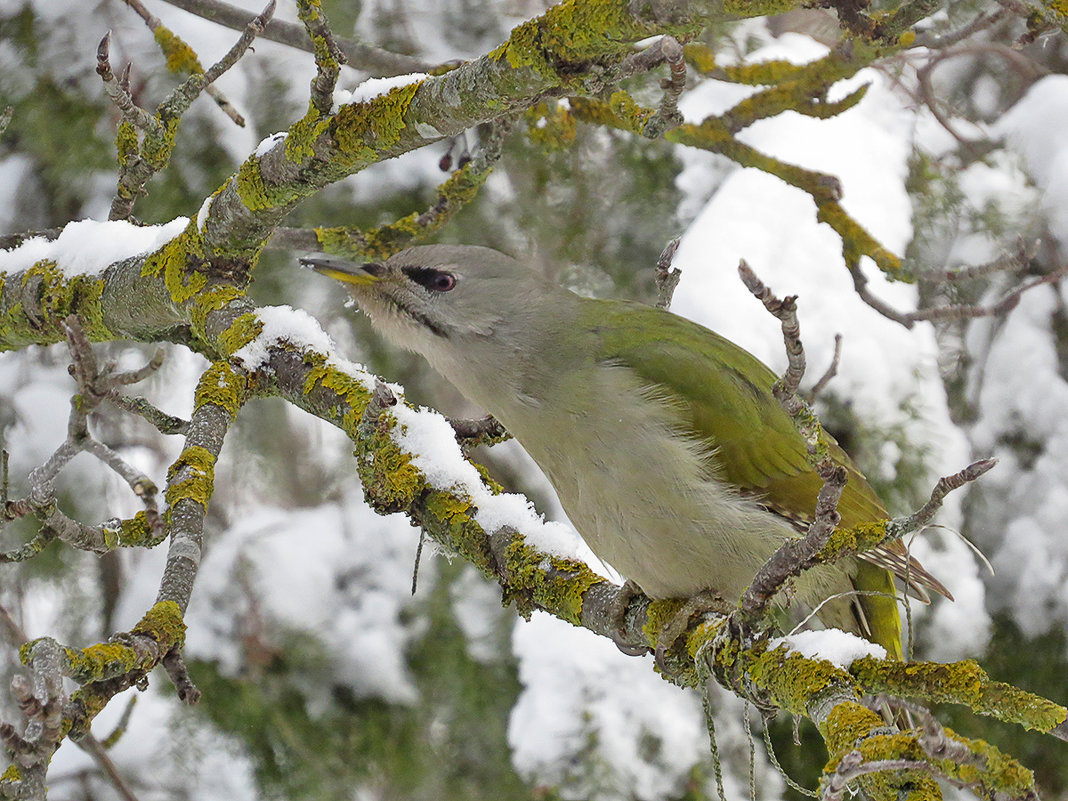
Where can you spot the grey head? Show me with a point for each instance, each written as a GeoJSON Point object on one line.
{"type": "Point", "coordinates": [433, 296]}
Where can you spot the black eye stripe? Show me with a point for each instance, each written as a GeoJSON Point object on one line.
{"type": "Point", "coordinates": [431, 278]}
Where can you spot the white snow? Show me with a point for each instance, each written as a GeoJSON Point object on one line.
{"type": "Point", "coordinates": [268, 142]}
{"type": "Point", "coordinates": [831, 645]}
{"type": "Point", "coordinates": [88, 247]}
{"type": "Point", "coordinates": [1037, 127]}
{"type": "Point", "coordinates": [1021, 393]}
{"type": "Point", "coordinates": [202, 213]}
{"type": "Point", "coordinates": [297, 571]}
{"type": "Point", "coordinates": [284, 324]}
{"type": "Point", "coordinates": [1024, 539]}
{"type": "Point", "coordinates": [429, 437]}
{"type": "Point", "coordinates": [374, 87]}
{"type": "Point", "coordinates": [581, 694]}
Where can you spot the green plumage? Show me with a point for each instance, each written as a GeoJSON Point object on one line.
{"type": "Point", "coordinates": [725, 395]}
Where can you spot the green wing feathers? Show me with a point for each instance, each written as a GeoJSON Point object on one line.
{"type": "Point", "coordinates": [724, 392]}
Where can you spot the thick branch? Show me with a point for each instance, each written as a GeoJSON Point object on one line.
{"type": "Point", "coordinates": [221, 392]}
{"type": "Point", "coordinates": [561, 587]}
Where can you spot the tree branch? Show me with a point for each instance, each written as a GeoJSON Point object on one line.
{"type": "Point", "coordinates": [180, 57]}
{"type": "Point", "coordinates": [95, 385]}
{"type": "Point", "coordinates": [358, 55]}
{"type": "Point", "coordinates": [191, 290]}
{"type": "Point", "coordinates": [328, 57]}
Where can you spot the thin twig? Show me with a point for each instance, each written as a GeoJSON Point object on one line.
{"type": "Point", "coordinates": [10, 630]}
{"type": "Point", "coordinates": [793, 555]}
{"type": "Point", "coordinates": [934, 105]}
{"type": "Point", "coordinates": [667, 277]}
{"type": "Point", "coordinates": [646, 59]}
{"type": "Point", "coordinates": [29, 550]}
{"type": "Point", "coordinates": [802, 624]}
{"type": "Point", "coordinates": [92, 746]}
{"type": "Point", "coordinates": [95, 384]}
{"type": "Point", "coordinates": [860, 286]}
{"type": "Point", "coordinates": [393, 237]}
{"type": "Point", "coordinates": [900, 526]}
{"type": "Point", "coordinates": [1011, 260]}
{"type": "Point", "coordinates": [252, 30]}
{"type": "Point", "coordinates": [832, 370]}
{"type": "Point", "coordinates": [153, 153]}
{"type": "Point", "coordinates": [1003, 306]}
{"type": "Point", "coordinates": [142, 486]}
{"type": "Point", "coordinates": [176, 668]}
{"type": "Point", "coordinates": [852, 766]}
{"type": "Point", "coordinates": [359, 55]}
{"type": "Point", "coordinates": [786, 312]}
{"type": "Point", "coordinates": [141, 373]}
{"type": "Point", "coordinates": [483, 431]}
{"type": "Point", "coordinates": [934, 740]}
{"type": "Point", "coordinates": [164, 423]}
{"type": "Point", "coordinates": [153, 24]}
{"type": "Point", "coordinates": [43, 475]}
{"type": "Point", "coordinates": [328, 56]}
{"type": "Point", "coordinates": [117, 91]}
{"type": "Point", "coordinates": [982, 22]}
{"type": "Point", "coordinates": [955, 311]}
{"type": "Point", "coordinates": [668, 115]}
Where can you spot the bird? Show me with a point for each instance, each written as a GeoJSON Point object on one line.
{"type": "Point", "coordinates": [662, 439]}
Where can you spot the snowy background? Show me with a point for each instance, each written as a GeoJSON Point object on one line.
{"type": "Point", "coordinates": [324, 677]}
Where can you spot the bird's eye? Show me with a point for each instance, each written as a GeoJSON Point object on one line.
{"type": "Point", "coordinates": [434, 280]}
{"type": "Point", "coordinates": [442, 282]}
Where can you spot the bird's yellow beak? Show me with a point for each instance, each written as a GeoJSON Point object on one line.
{"type": "Point", "coordinates": [347, 271]}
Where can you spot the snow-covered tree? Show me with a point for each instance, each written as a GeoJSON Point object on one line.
{"type": "Point", "coordinates": [179, 404]}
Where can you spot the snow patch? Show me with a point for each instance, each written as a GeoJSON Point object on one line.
{"type": "Point", "coordinates": [829, 645]}
{"type": "Point", "coordinates": [374, 87]}
{"type": "Point", "coordinates": [88, 247]}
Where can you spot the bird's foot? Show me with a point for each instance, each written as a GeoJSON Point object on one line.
{"type": "Point", "coordinates": [618, 613]}
{"type": "Point", "coordinates": [699, 605]}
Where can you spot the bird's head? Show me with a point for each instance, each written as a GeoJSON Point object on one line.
{"type": "Point", "coordinates": [427, 297]}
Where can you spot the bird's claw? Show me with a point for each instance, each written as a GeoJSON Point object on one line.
{"type": "Point", "coordinates": [618, 613]}
{"type": "Point", "coordinates": [699, 605]}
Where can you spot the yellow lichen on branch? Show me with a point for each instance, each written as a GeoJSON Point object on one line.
{"type": "Point", "coordinates": [964, 683]}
